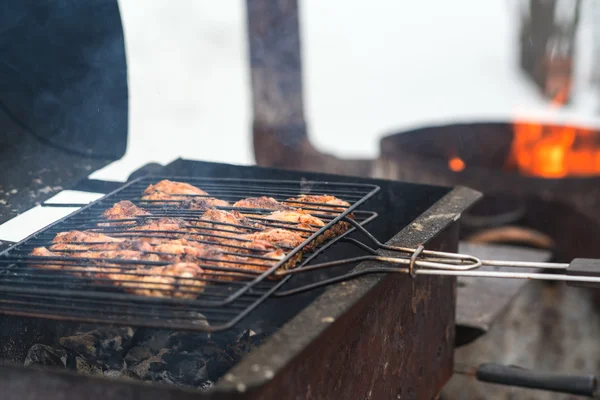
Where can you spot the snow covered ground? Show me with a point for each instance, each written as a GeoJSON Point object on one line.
{"type": "Point", "coordinates": [370, 68]}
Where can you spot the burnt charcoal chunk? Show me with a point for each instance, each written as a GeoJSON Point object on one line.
{"type": "Point", "coordinates": [218, 364]}
{"type": "Point", "coordinates": [149, 368]}
{"type": "Point", "coordinates": [138, 354]}
{"type": "Point", "coordinates": [155, 339]}
{"type": "Point", "coordinates": [40, 354]}
{"type": "Point", "coordinates": [245, 344]}
{"type": "Point", "coordinates": [186, 368]}
{"type": "Point", "coordinates": [83, 366]}
{"type": "Point", "coordinates": [188, 341]}
{"type": "Point", "coordinates": [205, 386]}
{"type": "Point", "coordinates": [120, 374]}
{"type": "Point", "coordinates": [104, 346]}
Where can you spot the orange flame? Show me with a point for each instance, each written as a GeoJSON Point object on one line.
{"type": "Point", "coordinates": [456, 164]}
{"type": "Point", "coordinates": [552, 151]}
{"type": "Point", "coordinates": [555, 151]}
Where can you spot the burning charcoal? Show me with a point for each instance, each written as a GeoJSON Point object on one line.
{"type": "Point", "coordinates": [40, 354]}
{"type": "Point", "coordinates": [106, 346]}
{"type": "Point", "coordinates": [85, 367]}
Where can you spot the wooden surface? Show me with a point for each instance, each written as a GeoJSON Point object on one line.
{"type": "Point", "coordinates": [480, 301]}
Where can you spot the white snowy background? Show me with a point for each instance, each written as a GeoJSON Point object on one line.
{"type": "Point", "coordinates": [371, 68]}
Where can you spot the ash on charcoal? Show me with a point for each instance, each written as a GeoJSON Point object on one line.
{"type": "Point", "coordinates": [185, 359]}
{"type": "Point", "coordinates": [120, 374]}
{"type": "Point", "coordinates": [103, 346]}
{"type": "Point", "coordinates": [40, 354]}
{"type": "Point", "coordinates": [148, 369]}
{"type": "Point", "coordinates": [85, 367]}
{"type": "Point", "coordinates": [206, 386]}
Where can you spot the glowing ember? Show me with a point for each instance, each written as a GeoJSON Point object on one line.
{"type": "Point", "coordinates": [456, 164]}
{"type": "Point", "coordinates": [555, 151]}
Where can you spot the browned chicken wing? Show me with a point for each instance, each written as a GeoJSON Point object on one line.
{"type": "Point", "coordinates": [278, 237]}
{"type": "Point", "coordinates": [221, 220]}
{"type": "Point", "coordinates": [175, 280]}
{"type": "Point", "coordinates": [296, 217]}
{"type": "Point", "coordinates": [124, 209]}
{"type": "Point", "coordinates": [321, 204]}
{"type": "Point", "coordinates": [262, 203]}
{"type": "Point", "coordinates": [169, 190]}
{"type": "Point", "coordinates": [204, 203]}
{"type": "Point", "coordinates": [171, 187]}
{"type": "Point", "coordinates": [84, 237]}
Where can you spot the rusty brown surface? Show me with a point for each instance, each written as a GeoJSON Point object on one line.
{"type": "Point", "coordinates": [280, 135]}
{"type": "Point", "coordinates": [396, 343]}
{"type": "Point", "coordinates": [396, 340]}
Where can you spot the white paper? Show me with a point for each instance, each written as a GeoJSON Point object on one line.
{"type": "Point", "coordinates": [73, 196]}
{"type": "Point", "coordinates": [39, 217]}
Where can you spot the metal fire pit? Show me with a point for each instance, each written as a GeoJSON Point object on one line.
{"type": "Point", "coordinates": [375, 337]}
{"type": "Point", "coordinates": [540, 318]}
{"type": "Point", "coordinates": [422, 156]}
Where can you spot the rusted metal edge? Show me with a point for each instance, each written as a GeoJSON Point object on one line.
{"type": "Point", "coordinates": [259, 367]}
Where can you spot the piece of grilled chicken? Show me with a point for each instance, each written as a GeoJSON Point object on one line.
{"type": "Point", "coordinates": [170, 190]}
{"type": "Point", "coordinates": [124, 209]}
{"type": "Point", "coordinates": [258, 206]}
{"type": "Point", "coordinates": [179, 280]}
{"type": "Point", "coordinates": [319, 204]}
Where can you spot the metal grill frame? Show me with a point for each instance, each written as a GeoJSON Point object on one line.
{"type": "Point", "coordinates": [228, 311]}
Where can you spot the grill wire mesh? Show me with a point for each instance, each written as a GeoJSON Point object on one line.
{"type": "Point", "coordinates": [71, 292]}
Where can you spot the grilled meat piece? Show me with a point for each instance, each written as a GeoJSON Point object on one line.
{"type": "Point", "coordinates": [231, 221]}
{"type": "Point", "coordinates": [296, 217]}
{"type": "Point", "coordinates": [262, 203]}
{"type": "Point", "coordinates": [204, 203]}
{"type": "Point", "coordinates": [87, 241]}
{"type": "Point", "coordinates": [175, 280]}
{"type": "Point", "coordinates": [163, 224]}
{"type": "Point", "coordinates": [277, 237]}
{"type": "Point", "coordinates": [169, 190]}
{"type": "Point", "coordinates": [303, 219]}
{"type": "Point", "coordinates": [171, 187]}
{"type": "Point", "coordinates": [136, 245]}
{"type": "Point", "coordinates": [126, 255]}
{"type": "Point", "coordinates": [71, 266]}
{"type": "Point", "coordinates": [44, 252]}
{"type": "Point", "coordinates": [84, 237]}
{"type": "Point", "coordinates": [319, 204]}
{"type": "Point", "coordinates": [124, 209]}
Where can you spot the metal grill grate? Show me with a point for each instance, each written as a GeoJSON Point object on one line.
{"type": "Point", "coordinates": [77, 288]}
